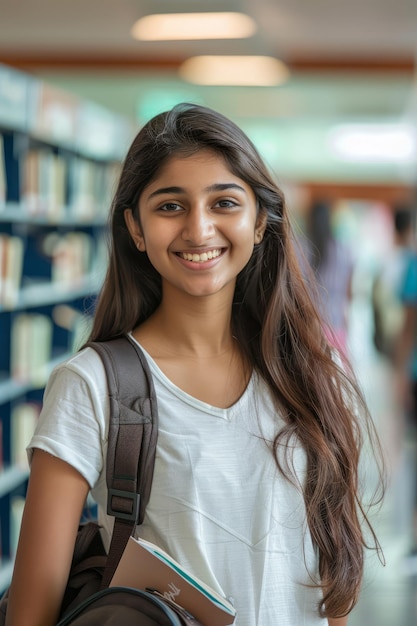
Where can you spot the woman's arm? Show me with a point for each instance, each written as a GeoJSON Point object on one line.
{"type": "Point", "coordinates": [55, 499]}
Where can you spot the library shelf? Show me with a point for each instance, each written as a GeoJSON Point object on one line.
{"type": "Point", "coordinates": [59, 161]}
{"type": "Point", "coordinates": [6, 571]}
{"type": "Point", "coordinates": [11, 477]}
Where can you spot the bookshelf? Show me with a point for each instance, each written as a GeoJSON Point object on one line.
{"type": "Point", "coordinates": [59, 161]}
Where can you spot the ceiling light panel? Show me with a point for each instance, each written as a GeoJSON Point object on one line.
{"type": "Point", "coordinates": [374, 143]}
{"type": "Point", "coordinates": [260, 71]}
{"type": "Point", "coordinates": [187, 26]}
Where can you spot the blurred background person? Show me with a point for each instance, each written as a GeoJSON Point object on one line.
{"type": "Point", "coordinates": [332, 262]}
{"type": "Point", "coordinates": [387, 304]}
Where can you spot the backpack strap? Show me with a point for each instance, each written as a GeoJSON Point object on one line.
{"type": "Point", "coordinates": [133, 432]}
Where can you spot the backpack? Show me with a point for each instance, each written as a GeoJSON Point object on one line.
{"type": "Point", "coordinates": [133, 431]}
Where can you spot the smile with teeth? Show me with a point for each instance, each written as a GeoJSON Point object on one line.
{"type": "Point", "coordinates": [200, 258]}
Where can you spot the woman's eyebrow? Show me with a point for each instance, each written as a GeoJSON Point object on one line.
{"type": "Point", "coordinates": [180, 190]}
{"type": "Point", "coordinates": [165, 190]}
{"type": "Point", "coordinates": [224, 187]}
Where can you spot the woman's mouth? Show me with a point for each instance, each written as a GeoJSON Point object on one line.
{"type": "Point", "coordinates": [200, 258]}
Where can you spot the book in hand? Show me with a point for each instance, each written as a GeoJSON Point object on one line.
{"type": "Point", "coordinates": [146, 566]}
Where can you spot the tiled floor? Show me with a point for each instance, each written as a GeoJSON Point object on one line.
{"type": "Point", "coordinates": [389, 595]}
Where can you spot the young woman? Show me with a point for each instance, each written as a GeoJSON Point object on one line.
{"type": "Point", "coordinates": [256, 477]}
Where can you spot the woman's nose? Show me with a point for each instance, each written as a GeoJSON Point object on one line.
{"type": "Point", "coordinates": [199, 226]}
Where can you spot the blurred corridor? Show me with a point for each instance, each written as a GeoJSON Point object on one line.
{"type": "Point", "coordinates": [389, 595]}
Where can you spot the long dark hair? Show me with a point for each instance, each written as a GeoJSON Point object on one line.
{"type": "Point", "coordinates": [277, 326]}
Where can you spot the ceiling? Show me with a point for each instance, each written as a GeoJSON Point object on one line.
{"type": "Point", "coordinates": [375, 29]}
{"type": "Point", "coordinates": [349, 62]}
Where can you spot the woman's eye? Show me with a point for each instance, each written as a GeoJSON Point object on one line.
{"type": "Point", "coordinates": [226, 204]}
{"type": "Point", "coordinates": [169, 207]}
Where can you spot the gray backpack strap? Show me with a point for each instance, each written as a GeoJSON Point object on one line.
{"type": "Point", "coordinates": [133, 432]}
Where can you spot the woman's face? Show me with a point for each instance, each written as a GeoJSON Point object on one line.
{"type": "Point", "coordinates": [198, 224]}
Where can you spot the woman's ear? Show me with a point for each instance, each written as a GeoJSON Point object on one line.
{"type": "Point", "coordinates": [134, 230]}
{"type": "Point", "coordinates": [260, 226]}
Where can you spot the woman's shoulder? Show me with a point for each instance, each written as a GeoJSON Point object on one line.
{"type": "Point", "coordinates": [77, 387]}
{"type": "Point", "coordinates": [85, 366]}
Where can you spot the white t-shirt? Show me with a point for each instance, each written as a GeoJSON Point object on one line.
{"type": "Point", "coordinates": [218, 504]}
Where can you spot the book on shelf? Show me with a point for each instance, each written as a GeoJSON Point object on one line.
{"type": "Point", "coordinates": [53, 185]}
{"type": "Point", "coordinates": [30, 180]}
{"type": "Point", "coordinates": [11, 265]}
{"type": "Point", "coordinates": [3, 182]}
{"type": "Point", "coordinates": [71, 258]}
{"type": "Point", "coordinates": [83, 174]}
{"type": "Point", "coordinates": [24, 417]}
{"type": "Point", "coordinates": [144, 565]}
{"type": "Point", "coordinates": [31, 348]}
{"type": "Point", "coordinates": [44, 183]}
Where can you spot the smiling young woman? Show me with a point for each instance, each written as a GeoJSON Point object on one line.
{"type": "Point", "coordinates": [256, 482]}
{"type": "Point", "coordinates": [197, 223]}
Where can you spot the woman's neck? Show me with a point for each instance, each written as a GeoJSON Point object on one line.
{"type": "Point", "coordinates": [196, 327]}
